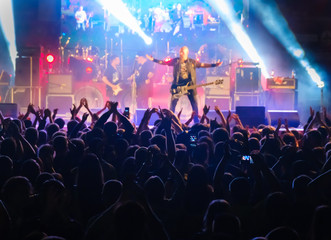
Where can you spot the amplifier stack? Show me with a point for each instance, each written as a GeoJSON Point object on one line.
{"type": "Point", "coordinates": [218, 95]}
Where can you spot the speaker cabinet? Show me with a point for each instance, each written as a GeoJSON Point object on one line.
{"type": "Point", "coordinates": [223, 102]}
{"type": "Point", "coordinates": [27, 71]}
{"type": "Point", "coordinates": [59, 84]}
{"type": "Point", "coordinates": [251, 116]}
{"type": "Point", "coordinates": [281, 99]}
{"type": "Point", "coordinates": [243, 99]}
{"type": "Point", "coordinates": [60, 101]}
{"type": "Point", "coordinates": [23, 95]}
{"type": "Point", "coordinates": [248, 80]}
{"type": "Point", "coordinates": [94, 92]}
{"type": "Point", "coordinates": [222, 89]}
{"type": "Point", "coordinates": [9, 109]}
{"type": "Point", "coordinates": [292, 117]}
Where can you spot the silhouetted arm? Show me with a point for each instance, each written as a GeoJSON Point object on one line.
{"type": "Point", "coordinates": [104, 117]}
{"type": "Point", "coordinates": [267, 173]}
{"type": "Point", "coordinates": [75, 131]}
{"type": "Point", "coordinates": [219, 113]}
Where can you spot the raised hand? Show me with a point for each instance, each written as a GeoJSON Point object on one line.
{"type": "Point", "coordinates": [107, 105]}
{"type": "Point", "coordinates": [47, 112]}
{"type": "Point", "coordinates": [279, 123]}
{"type": "Point", "coordinates": [286, 123]}
{"type": "Point", "coordinates": [84, 117]}
{"type": "Point", "coordinates": [312, 112]}
{"type": "Point", "coordinates": [113, 106]}
{"type": "Point", "coordinates": [31, 109]}
{"type": "Point", "coordinates": [154, 110]}
{"type": "Point", "coordinates": [206, 109]}
{"type": "Point", "coordinates": [318, 116]}
{"type": "Point", "coordinates": [161, 113]}
{"type": "Point", "coordinates": [82, 101]}
{"type": "Point", "coordinates": [217, 110]}
{"type": "Point", "coordinates": [167, 113]}
{"type": "Point", "coordinates": [149, 57]}
{"type": "Point", "coordinates": [180, 113]}
{"type": "Point", "coordinates": [20, 116]}
{"type": "Point", "coordinates": [235, 116]}
{"type": "Point", "coordinates": [219, 63]}
{"type": "Point", "coordinates": [73, 110]}
{"type": "Point", "coordinates": [147, 113]}
{"type": "Point", "coordinates": [40, 112]}
{"type": "Point", "coordinates": [86, 103]}
{"type": "Point", "coordinates": [229, 116]}
{"type": "Point", "coordinates": [324, 112]}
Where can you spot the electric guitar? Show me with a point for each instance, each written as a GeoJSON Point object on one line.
{"type": "Point", "coordinates": [117, 89]}
{"type": "Point", "coordinates": [178, 91]}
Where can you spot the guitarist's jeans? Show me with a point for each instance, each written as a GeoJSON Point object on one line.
{"type": "Point", "coordinates": [193, 100]}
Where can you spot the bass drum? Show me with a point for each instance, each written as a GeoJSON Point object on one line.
{"type": "Point", "coordinates": [93, 95]}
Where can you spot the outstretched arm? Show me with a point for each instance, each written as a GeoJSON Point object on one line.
{"type": "Point", "coordinates": [169, 62]}
{"type": "Point", "coordinates": [208, 65]}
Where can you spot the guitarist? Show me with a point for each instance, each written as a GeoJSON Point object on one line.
{"type": "Point", "coordinates": [184, 72]}
{"type": "Point", "coordinates": [144, 81]}
{"type": "Point", "coordinates": [112, 78]}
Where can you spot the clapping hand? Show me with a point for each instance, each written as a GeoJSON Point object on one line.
{"type": "Point", "coordinates": [206, 110]}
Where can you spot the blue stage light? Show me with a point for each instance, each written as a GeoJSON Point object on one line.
{"type": "Point", "coordinates": [277, 25]}
{"type": "Point", "coordinates": [225, 9]}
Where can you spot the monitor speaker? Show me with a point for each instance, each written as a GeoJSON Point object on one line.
{"type": "Point", "coordinates": [9, 109]}
{"type": "Point", "coordinates": [292, 117]}
{"type": "Point", "coordinates": [59, 84]}
{"type": "Point", "coordinates": [251, 115]}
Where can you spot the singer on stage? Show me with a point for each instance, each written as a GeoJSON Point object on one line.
{"type": "Point", "coordinates": [184, 73]}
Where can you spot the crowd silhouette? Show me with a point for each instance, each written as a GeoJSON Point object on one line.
{"type": "Point", "coordinates": [109, 179]}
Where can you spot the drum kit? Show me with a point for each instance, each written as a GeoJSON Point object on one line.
{"type": "Point", "coordinates": [86, 57]}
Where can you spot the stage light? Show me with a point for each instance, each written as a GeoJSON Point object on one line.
{"type": "Point", "coordinates": [50, 58]}
{"type": "Point", "coordinates": [299, 53]}
{"type": "Point", "coordinates": [88, 70]}
{"type": "Point", "coordinates": [225, 9]}
{"type": "Point", "coordinates": [119, 10]}
{"type": "Point", "coordinates": [89, 59]}
{"type": "Point", "coordinates": [277, 25]}
{"type": "Point", "coordinates": [312, 73]}
{"type": "Point", "coordinates": [8, 28]}
{"type": "Point", "coordinates": [148, 40]}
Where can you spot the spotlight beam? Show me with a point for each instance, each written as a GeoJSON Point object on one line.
{"type": "Point", "coordinates": [120, 11]}
{"type": "Point", "coordinates": [8, 27]}
{"type": "Point", "coordinates": [277, 25]}
{"type": "Point", "coordinates": [225, 9]}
